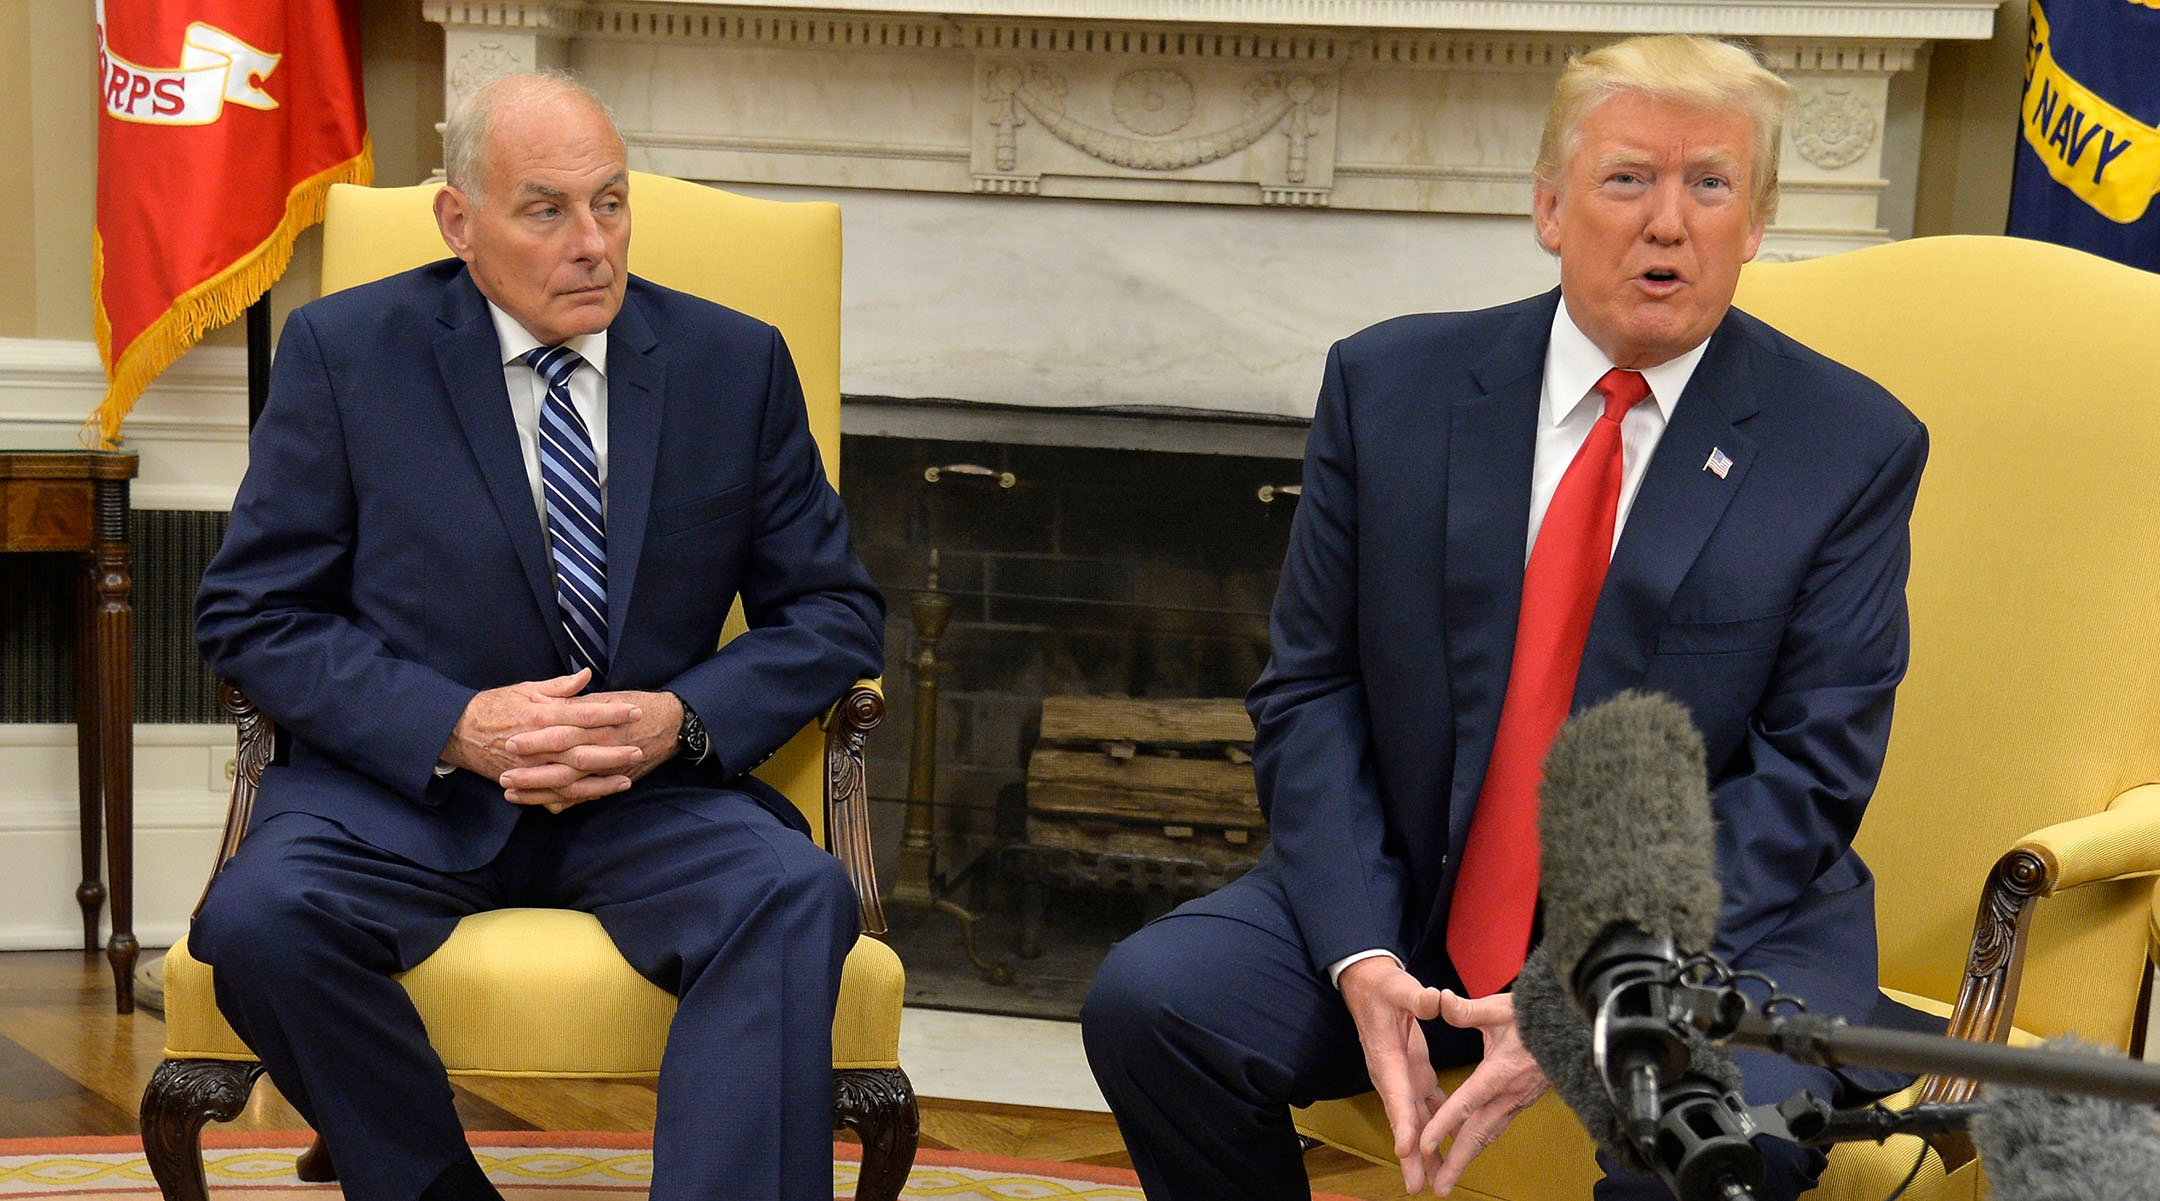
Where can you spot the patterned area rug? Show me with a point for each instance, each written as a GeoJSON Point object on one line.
{"type": "Point", "coordinates": [526, 1166]}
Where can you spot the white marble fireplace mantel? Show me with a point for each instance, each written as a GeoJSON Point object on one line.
{"type": "Point", "coordinates": [1279, 172]}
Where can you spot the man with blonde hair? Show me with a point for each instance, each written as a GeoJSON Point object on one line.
{"type": "Point", "coordinates": [1510, 515]}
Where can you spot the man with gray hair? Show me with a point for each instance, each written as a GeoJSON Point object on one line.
{"type": "Point", "coordinates": [495, 513]}
{"type": "Point", "coordinates": [1509, 515]}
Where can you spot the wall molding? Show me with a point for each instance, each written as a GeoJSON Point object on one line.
{"type": "Point", "coordinates": [180, 801]}
{"type": "Point", "coordinates": [810, 21]}
{"type": "Point", "coordinates": [1801, 41]}
{"type": "Point", "coordinates": [821, 146]}
{"type": "Point", "coordinates": [190, 427]}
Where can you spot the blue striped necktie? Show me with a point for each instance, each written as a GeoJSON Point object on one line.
{"type": "Point", "coordinates": [570, 480]}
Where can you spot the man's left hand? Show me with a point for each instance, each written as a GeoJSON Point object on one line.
{"type": "Point", "coordinates": [1505, 1083]}
{"type": "Point", "coordinates": [654, 732]}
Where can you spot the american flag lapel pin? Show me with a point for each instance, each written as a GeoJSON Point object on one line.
{"type": "Point", "coordinates": [1718, 463]}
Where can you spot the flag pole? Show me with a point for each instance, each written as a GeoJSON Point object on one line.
{"type": "Point", "coordinates": [258, 343]}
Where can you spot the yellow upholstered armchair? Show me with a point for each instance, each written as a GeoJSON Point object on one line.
{"type": "Point", "coordinates": [2024, 763]}
{"type": "Point", "coordinates": [481, 995]}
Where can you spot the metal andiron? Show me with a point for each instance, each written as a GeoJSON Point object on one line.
{"type": "Point", "coordinates": [917, 883]}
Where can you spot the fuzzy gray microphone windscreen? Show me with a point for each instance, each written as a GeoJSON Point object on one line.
{"type": "Point", "coordinates": [2042, 1146]}
{"type": "Point", "coordinates": [1624, 828]}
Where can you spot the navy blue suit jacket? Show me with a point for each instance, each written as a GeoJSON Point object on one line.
{"type": "Point", "coordinates": [1770, 602]}
{"type": "Point", "coordinates": [385, 560]}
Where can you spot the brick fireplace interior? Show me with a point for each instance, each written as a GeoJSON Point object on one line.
{"type": "Point", "coordinates": [1101, 571]}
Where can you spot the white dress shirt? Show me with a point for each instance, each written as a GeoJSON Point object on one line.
{"type": "Point", "coordinates": [588, 395]}
{"type": "Point", "coordinates": [1570, 405]}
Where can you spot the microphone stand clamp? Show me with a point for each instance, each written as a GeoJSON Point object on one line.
{"type": "Point", "coordinates": [1811, 1121]}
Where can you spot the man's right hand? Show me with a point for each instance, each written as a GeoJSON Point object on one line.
{"type": "Point", "coordinates": [1387, 1003]}
{"type": "Point", "coordinates": [598, 750]}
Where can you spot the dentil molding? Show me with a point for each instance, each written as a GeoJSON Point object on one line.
{"type": "Point", "coordinates": [786, 19]}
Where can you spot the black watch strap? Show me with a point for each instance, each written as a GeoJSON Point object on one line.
{"type": "Point", "coordinates": [691, 740]}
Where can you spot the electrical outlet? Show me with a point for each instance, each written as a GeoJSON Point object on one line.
{"type": "Point", "coordinates": [224, 768]}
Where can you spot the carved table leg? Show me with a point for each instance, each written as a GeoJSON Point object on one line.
{"type": "Point", "coordinates": [184, 1094]}
{"type": "Point", "coordinates": [878, 1104]}
{"type": "Point", "coordinates": [114, 641]}
{"type": "Point", "coordinates": [90, 894]}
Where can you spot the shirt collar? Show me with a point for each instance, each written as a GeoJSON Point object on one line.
{"type": "Point", "coordinates": [516, 340]}
{"type": "Point", "coordinates": [1574, 365]}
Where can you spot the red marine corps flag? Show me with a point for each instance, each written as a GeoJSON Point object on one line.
{"type": "Point", "coordinates": [223, 123]}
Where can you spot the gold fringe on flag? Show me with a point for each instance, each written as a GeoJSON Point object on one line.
{"type": "Point", "coordinates": [212, 304]}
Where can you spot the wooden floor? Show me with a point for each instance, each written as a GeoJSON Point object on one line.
{"type": "Point", "coordinates": [69, 1065]}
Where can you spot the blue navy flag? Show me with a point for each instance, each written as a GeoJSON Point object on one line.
{"type": "Point", "coordinates": [2088, 160]}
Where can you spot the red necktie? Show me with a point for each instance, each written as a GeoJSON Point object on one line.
{"type": "Point", "coordinates": [1496, 892]}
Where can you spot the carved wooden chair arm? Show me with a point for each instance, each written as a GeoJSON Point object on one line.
{"type": "Point", "coordinates": [847, 799]}
{"type": "Point", "coordinates": [257, 742]}
{"type": "Point", "coordinates": [2122, 842]}
{"type": "Point", "coordinates": [2152, 931]}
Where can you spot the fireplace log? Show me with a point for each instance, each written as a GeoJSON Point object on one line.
{"type": "Point", "coordinates": [1141, 781]}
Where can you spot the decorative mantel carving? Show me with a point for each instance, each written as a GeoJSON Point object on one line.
{"type": "Point", "coordinates": [1171, 128]}
{"type": "Point", "coordinates": [1832, 127]}
{"type": "Point", "coordinates": [1389, 105]}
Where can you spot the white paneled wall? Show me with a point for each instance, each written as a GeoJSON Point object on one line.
{"type": "Point", "coordinates": [180, 798]}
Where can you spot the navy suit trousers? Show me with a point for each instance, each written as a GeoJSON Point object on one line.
{"type": "Point", "coordinates": [746, 921]}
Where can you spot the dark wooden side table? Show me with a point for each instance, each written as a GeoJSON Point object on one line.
{"type": "Point", "coordinates": [77, 501]}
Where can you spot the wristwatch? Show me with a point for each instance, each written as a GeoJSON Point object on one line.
{"type": "Point", "coordinates": [691, 741]}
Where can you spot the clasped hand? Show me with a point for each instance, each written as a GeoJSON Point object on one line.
{"type": "Point", "coordinates": [548, 746]}
{"type": "Point", "coordinates": [1387, 1004]}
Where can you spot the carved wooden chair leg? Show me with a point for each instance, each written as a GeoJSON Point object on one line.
{"type": "Point", "coordinates": [878, 1104]}
{"type": "Point", "coordinates": [184, 1094]}
{"type": "Point", "coordinates": [314, 1164]}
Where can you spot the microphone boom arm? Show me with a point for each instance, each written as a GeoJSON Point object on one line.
{"type": "Point", "coordinates": [1832, 1042]}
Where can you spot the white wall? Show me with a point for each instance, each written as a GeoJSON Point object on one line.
{"type": "Point", "coordinates": [181, 788]}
